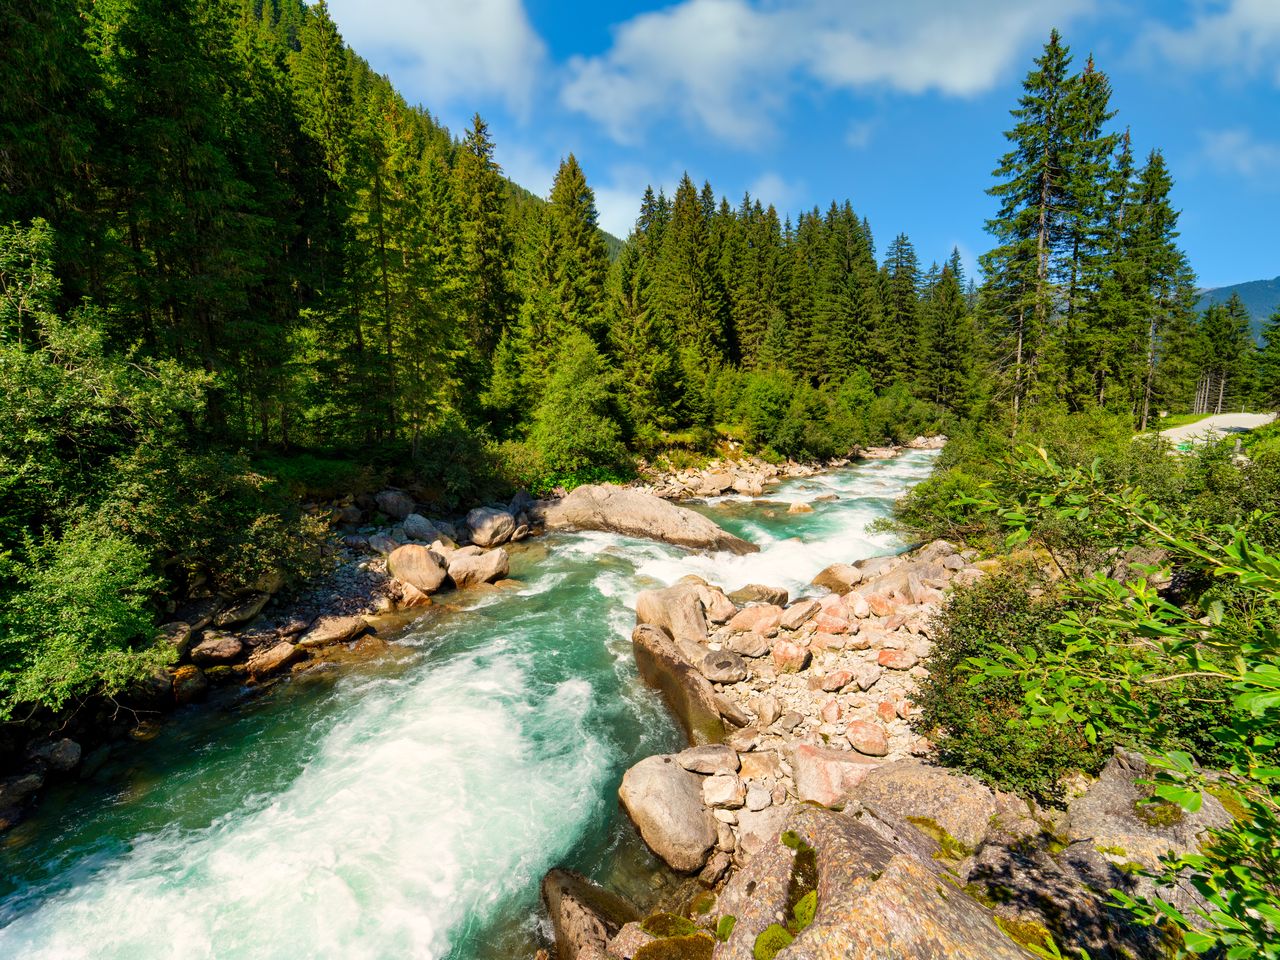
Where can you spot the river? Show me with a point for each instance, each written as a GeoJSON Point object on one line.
{"type": "Point", "coordinates": [406, 808]}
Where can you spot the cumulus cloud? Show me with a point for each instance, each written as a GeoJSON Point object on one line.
{"type": "Point", "coordinates": [770, 188]}
{"type": "Point", "coordinates": [1240, 34]}
{"type": "Point", "coordinates": [1237, 151]}
{"type": "Point", "coordinates": [446, 51]}
{"type": "Point", "coordinates": [729, 66]}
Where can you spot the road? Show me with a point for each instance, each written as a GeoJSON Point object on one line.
{"type": "Point", "coordinates": [1215, 427]}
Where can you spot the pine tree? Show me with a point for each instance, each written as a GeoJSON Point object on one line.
{"type": "Point", "coordinates": [899, 330]}
{"type": "Point", "coordinates": [945, 356]}
{"type": "Point", "coordinates": [1227, 349]}
{"type": "Point", "coordinates": [489, 302]}
{"type": "Point", "coordinates": [1268, 364]}
{"type": "Point", "coordinates": [688, 295]}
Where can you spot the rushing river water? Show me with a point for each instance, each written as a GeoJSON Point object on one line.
{"type": "Point", "coordinates": [406, 808]}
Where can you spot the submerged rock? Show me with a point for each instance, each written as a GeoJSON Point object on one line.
{"type": "Point", "coordinates": [664, 800]}
{"type": "Point", "coordinates": [270, 659]}
{"type": "Point", "coordinates": [637, 514]}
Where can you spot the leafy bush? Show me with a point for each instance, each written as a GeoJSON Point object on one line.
{"type": "Point", "coordinates": [76, 620]}
{"type": "Point", "coordinates": [575, 427]}
{"type": "Point", "coordinates": [981, 724]}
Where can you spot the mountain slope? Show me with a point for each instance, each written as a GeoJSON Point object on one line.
{"type": "Point", "coordinates": [1262, 297]}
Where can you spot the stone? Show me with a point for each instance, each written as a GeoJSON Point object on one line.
{"type": "Point", "coordinates": [394, 503]}
{"type": "Point", "coordinates": [758, 798]}
{"type": "Point", "coordinates": [790, 720]}
{"type": "Point", "coordinates": [189, 685]}
{"type": "Point", "coordinates": [875, 900]}
{"type": "Point", "coordinates": [767, 709]}
{"type": "Point", "coordinates": [757, 829]}
{"type": "Point", "coordinates": [799, 507]}
{"type": "Point", "coordinates": [178, 634]}
{"type": "Point", "coordinates": [762, 618]}
{"type": "Point", "coordinates": [715, 483]}
{"type": "Point", "coordinates": [760, 764]}
{"type": "Point", "coordinates": [717, 607]}
{"type": "Point", "coordinates": [716, 868]}
{"type": "Point", "coordinates": [268, 660]}
{"type": "Point", "coordinates": [867, 738]}
{"type": "Point", "coordinates": [328, 630]}
{"type": "Point", "coordinates": [418, 527]}
{"type": "Point", "coordinates": [490, 527]}
{"type": "Point", "coordinates": [749, 644]}
{"type": "Point", "coordinates": [15, 791]}
{"type": "Point", "coordinates": [759, 593]}
{"type": "Point", "coordinates": [242, 611]}
{"type": "Point", "coordinates": [831, 711]}
{"type": "Point", "coordinates": [59, 756]}
{"type": "Point", "coordinates": [867, 675]}
{"type": "Point", "coordinates": [417, 566]}
{"type": "Point", "coordinates": [723, 790]}
{"type": "Point", "coordinates": [827, 623]}
{"type": "Point", "coordinates": [839, 578]}
{"type": "Point", "coordinates": [723, 666]}
{"type": "Point", "coordinates": [731, 711]}
{"type": "Point", "coordinates": [913, 792]}
{"type": "Point", "coordinates": [624, 946]}
{"type": "Point", "coordinates": [897, 659]}
{"type": "Point", "coordinates": [835, 680]}
{"type": "Point", "coordinates": [790, 657]}
{"type": "Point", "coordinates": [584, 915]}
{"type": "Point", "coordinates": [634, 513]}
{"type": "Point", "coordinates": [381, 543]}
{"type": "Point", "coordinates": [709, 758]}
{"type": "Point", "coordinates": [827, 776]}
{"type": "Point", "coordinates": [664, 800]}
{"type": "Point", "coordinates": [410, 597]}
{"type": "Point", "coordinates": [857, 606]}
{"type": "Point", "coordinates": [687, 692]}
{"type": "Point", "coordinates": [799, 613]}
{"type": "Point", "coordinates": [677, 609]}
{"type": "Point", "coordinates": [216, 648]}
{"type": "Point", "coordinates": [1113, 813]}
{"type": "Point", "coordinates": [468, 570]}
{"type": "Point", "coordinates": [748, 486]}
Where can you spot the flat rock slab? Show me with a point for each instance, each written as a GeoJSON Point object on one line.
{"type": "Point", "coordinates": [913, 791]}
{"type": "Point", "coordinates": [631, 512]}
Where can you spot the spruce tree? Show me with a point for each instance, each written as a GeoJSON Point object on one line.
{"type": "Point", "coordinates": [488, 300]}
{"type": "Point", "coordinates": [1268, 365]}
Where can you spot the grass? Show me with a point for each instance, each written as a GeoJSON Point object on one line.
{"type": "Point", "coordinates": [1179, 420]}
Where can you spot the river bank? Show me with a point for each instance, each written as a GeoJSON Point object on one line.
{"type": "Point", "coordinates": [526, 699]}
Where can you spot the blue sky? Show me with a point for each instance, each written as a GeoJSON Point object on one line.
{"type": "Point", "coordinates": [898, 106]}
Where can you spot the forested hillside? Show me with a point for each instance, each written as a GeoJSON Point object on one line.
{"type": "Point", "coordinates": [1260, 297]}
{"type": "Point", "coordinates": [238, 269]}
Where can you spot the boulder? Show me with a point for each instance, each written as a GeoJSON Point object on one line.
{"type": "Point", "coordinates": [268, 660]}
{"type": "Point", "coordinates": [796, 615]}
{"type": "Point", "coordinates": [687, 692]}
{"type": "Point", "coordinates": [897, 659]}
{"type": "Point", "coordinates": [60, 756]}
{"type": "Point", "coordinates": [838, 578]}
{"type": "Point", "coordinates": [718, 607]}
{"type": "Point", "coordinates": [468, 570]}
{"type": "Point", "coordinates": [417, 566]}
{"type": "Point", "coordinates": [759, 593]}
{"type": "Point", "coordinates": [723, 791]}
{"type": "Point", "coordinates": [678, 609]}
{"type": "Point", "coordinates": [938, 799]}
{"type": "Point", "coordinates": [874, 900]}
{"type": "Point", "coordinates": [418, 527]}
{"type": "Point", "coordinates": [584, 915]}
{"type": "Point", "coordinates": [242, 610]}
{"type": "Point", "coordinates": [15, 791]}
{"type": "Point", "coordinates": [790, 657]}
{"type": "Point", "coordinates": [723, 666]}
{"type": "Point", "coordinates": [748, 644]}
{"type": "Point", "coordinates": [383, 544]}
{"type": "Point", "coordinates": [867, 738]}
{"type": "Point", "coordinates": [749, 486]}
{"type": "Point", "coordinates": [216, 648]}
{"type": "Point", "coordinates": [395, 503]}
{"type": "Point", "coordinates": [637, 514]}
{"type": "Point", "coordinates": [799, 507]}
{"type": "Point", "coordinates": [189, 685]}
{"type": "Point", "coordinates": [490, 527]}
{"type": "Point", "coordinates": [178, 634]}
{"type": "Point", "coordinates": [328, 630]}
{"type": "Point", "coordinates": [827, 776]}
{"type": "Point", "coordinates": [664, 800]}
{"type": "Point", "coordinates": [709, 758]}
{"type": "Point", "coordinates": [762, 618]}
{"type": "Point", "coordinates": [1114, 814]}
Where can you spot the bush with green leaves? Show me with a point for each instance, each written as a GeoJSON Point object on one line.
{"type": "Point", "coordinates": [1216, 650]}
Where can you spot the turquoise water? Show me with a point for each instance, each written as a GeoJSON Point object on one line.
{"type": "Point", "coordinates": [408, 807]}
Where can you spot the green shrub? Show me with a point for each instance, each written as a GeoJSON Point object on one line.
{"type": "Point", "coordinates": [75, 620]}
{"type": "Point", "coordinates": [576, 427]}
{"type": "Point", "coordinates": [983, 725]}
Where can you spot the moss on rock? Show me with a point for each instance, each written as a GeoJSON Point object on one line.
{"type": "Point", "coordinates": [771, 939]}
{"type": "Point", "coordinates": [697, 946]}
{"type": "Point", "coordinates": [663, 925]}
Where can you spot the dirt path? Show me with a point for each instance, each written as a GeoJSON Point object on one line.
{"type": "Point", "coordinates": [1216, 427]}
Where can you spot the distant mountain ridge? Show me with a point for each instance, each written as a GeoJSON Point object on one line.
{"type": "Point", "coordinates": [1262, 297]}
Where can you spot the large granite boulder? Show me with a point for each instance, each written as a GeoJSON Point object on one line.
{"type": "Point", "coordinates": [1114, 814]}
{"type": "Point", "coordinates": [847, 892]}
{"type": "Point", "coordinates": [333, 629]}
{"type": "Point", "coordinates": [677, 609]}
{"type": "Point", "coordinates": [827, 776]}
{"type": "Point", "coordinates": [395, 503]}
{"type": "Point", "coordinates": [637, 514]}
{"type": "Point", "coordinates": [687, 692]}
{"type": "Point", "coordinates": [936, 800]}
{"type": "Point", "coordinates": [664, 800]}
{"type": "Point", "coordinates": [468, 570]}
{"type": "Point", "coordinates": [417, 566]}
{"type": "Point", "coordinates": [490, 527]}
{"type": "Point", "coordinates": [584, 915]}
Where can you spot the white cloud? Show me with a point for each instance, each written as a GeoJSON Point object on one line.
{"type": "Point", "coordinates": [1240, 34]}
{"type": "Point", "coordinates": [1237, 151]}
{"type": "Point", "coordinates": [859, 134]}
{"type": "Point", "coordinates": [446, 50]}
{"type": "Point", "coordinates": [770, 188]}
{"type": "Point", "coordinates": [729, 66]}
